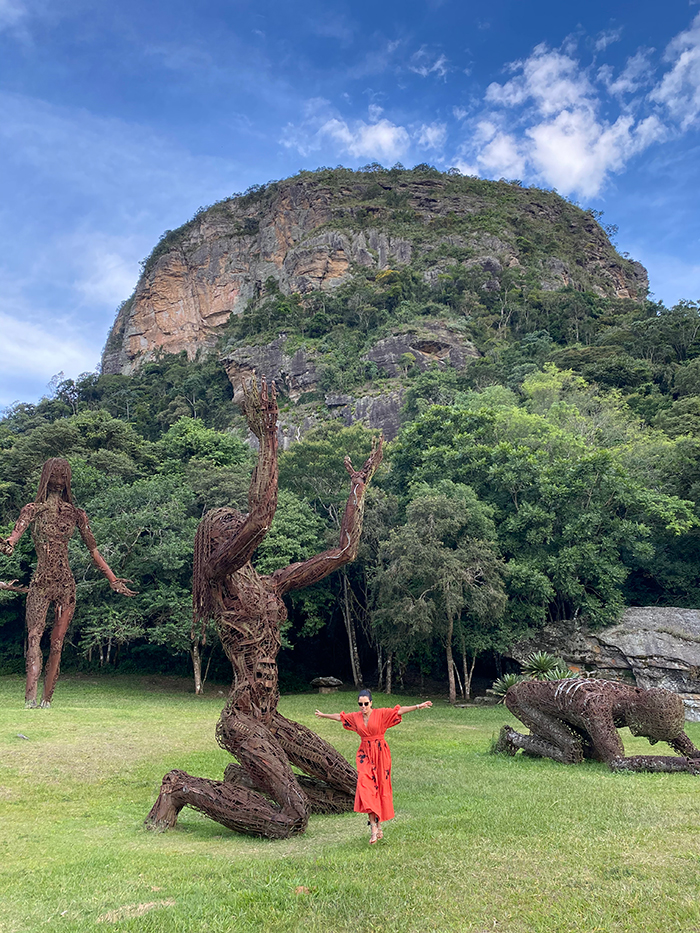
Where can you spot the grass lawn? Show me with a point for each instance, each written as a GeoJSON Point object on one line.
{"type": "Point", "coordinates": [480, 842]}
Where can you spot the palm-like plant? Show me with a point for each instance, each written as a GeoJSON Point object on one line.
{"type": "Point", "coordinates": [500, 687]}
{"type": "Point", "coordinates": [541, 665]}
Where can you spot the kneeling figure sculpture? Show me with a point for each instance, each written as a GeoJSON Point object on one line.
{"type": "Point", "coordinates": [261, 795]}
{"type": "Point", "coordinates": [573, 719]}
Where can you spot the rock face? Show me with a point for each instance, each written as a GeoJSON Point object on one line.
{"type": "Point", "coordinates": [378, 407]}
{"type": "Point", "coordinates": [315, 231]}
{"type": "Point", "coordinates": [654, 647]}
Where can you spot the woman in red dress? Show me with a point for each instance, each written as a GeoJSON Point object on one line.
{"type": "Point", "coordinates": [373, 795]}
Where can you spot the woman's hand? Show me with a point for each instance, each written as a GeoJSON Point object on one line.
{"type": "Point", "coordinates": [425, 705]}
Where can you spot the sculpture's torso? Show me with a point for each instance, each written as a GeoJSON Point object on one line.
{"type": "Point", "coordinates": [53, 524]}
{"type": "Point", "coordinates": [248, 618]}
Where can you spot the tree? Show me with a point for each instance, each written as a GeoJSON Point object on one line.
{"type": "Point", "coordinates": [440, 577]}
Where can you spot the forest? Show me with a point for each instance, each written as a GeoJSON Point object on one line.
{"type": "Point", "coordinates": [553, 478]}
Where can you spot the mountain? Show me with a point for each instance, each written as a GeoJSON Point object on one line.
{"type": "Point", "coordinates": [331, 279]}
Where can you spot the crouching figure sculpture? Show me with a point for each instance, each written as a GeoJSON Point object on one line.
{"type": "Point", "coordinates": [570, 720]}
{"type": "Point", "coordinates": [261, 795]}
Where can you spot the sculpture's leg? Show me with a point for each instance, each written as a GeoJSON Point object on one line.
{"type": "Point", "coordinates": [655, 763]}
{"type": "Point", "coordinates": [64, 614]}
{"type": "Point", "coordinates": [37, 608]}
{"type": "Point", "coordinates": [331, 784]}
{"type": "Point", "coordinates": [237, 808]}
{"type": "Point", "coordinates": [509, 741]}
{"type": "Point", "coordinates": [684, 746]}
{"type": "Point", "coordinates": [277, 809]}
{"type": "Point", "coordinates": [550, 738]}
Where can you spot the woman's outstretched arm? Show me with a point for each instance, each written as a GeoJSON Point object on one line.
{"type": "Point", "coordinates": [409, 709]}
{"type": "Point", "coordinates": [335, 716]}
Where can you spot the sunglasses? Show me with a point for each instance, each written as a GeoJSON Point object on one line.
{"type": "Point", "coordinates": [364, 702]}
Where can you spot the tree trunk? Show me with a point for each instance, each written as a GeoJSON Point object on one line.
{"type": "Point", "coordinates": [468, 672]}
{"type": "Point", "coordinates": [380, 669]}
{"type": "Point", "coordinates": [387, 687]}
{"type": "Point", "coordinates": [457, 678]}
{"type": "Point", "coordinates": [450, 661]}
{"type": "Point", "coordinates": [197, 668]}
{"type": "Point", "coordinates": [350, 629]}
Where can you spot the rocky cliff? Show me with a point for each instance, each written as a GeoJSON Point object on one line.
{"type": "Point", "coordinates": [316, 231]}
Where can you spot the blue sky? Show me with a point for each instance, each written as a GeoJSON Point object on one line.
{"type": "Point", "coordinates": [117, 121]}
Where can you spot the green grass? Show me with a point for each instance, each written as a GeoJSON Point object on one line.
{"type": "Point", "coordinates": [480, 842]}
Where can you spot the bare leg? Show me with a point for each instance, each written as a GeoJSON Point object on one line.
{"type": "Point", "coordinates": [37, 608]}
{"type": "Point", "coordinates": [64, 614]}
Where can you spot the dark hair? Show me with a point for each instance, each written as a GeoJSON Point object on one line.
{"type": "Point", "coordinates": [365, 693]}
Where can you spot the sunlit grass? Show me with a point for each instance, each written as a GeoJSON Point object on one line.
{"type": "Point", "coordinates": [479, 843]}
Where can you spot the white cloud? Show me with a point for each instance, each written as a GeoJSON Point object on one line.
{"type": "Point", "coordinates": [466, 168]}
{"type": "Point", "coordinates": [425, 63]}
{"type": "Point", "coordinates": [32, 349]}
{"type": "Point", "coordinates": [373, 140]}
{"type": "Point", "coordinates": [679, 90]}
{"type": "Point", "coordinates": [604, 39]}
{"type": "Point", "coordinates": [503, 157]}
{"type": "Point", "coordinates": [432, 135]}
{"type": "Point", "coordinates": [459, 113]}
{"type": "Point", "coordinates": [544, 124]}
{"type": "Point", "coordinates": [378, 139]}
{"type": "Point", "coordinates": [576, 152]}
{"type": "Point", "coordinates": [637, 73]}
{"type": "Point", "coordinates": [551, 80]}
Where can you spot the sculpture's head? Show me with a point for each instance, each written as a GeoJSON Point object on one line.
{"type": "Point", "coordinates": [55, 477]}
{"type": "Point", "coordinates": [657, 714]}
{"type": "Point", "coordinates": [265, 684]}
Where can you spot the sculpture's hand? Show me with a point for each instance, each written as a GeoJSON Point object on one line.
{"type": "Point", "coordinates": [260, 408]}
{"type": "Point", "coordinates": [6, 548]}
{"type": "Point", "coordinates": [371, 465]}
{"type": "Point", "coordinates": [12, 585]}
{"type": "Point", "coordinates": [119, 586]}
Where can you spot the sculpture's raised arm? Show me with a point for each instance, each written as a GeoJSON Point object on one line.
{"type": "Point", "coordinates": [260, 410]}
{"type": "Point", "coordinates": [316, 568]}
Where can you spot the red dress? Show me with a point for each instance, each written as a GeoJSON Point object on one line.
{"type": "Point", "coordinates": [373, 793]}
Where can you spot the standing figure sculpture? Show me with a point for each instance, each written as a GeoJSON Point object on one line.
{"type": "Point", "coordinates": [261, 795]}
{"type": "Point", "coordinates": [53, 519]}
{"type": "Point", "coordinates": [573, 719]}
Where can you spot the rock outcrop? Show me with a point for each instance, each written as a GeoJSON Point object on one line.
{"type": "Point", "coordinates": [317, 230]}
{"type": "Point", "coordinates": [654, 647]}
{"type": "Point", "coordinates": [377, 406]}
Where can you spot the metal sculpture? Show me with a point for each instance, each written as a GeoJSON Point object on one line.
{"type": "Point", "coordinates": [53, 518]}
{"type": "Point", "coordinates": [262, 796]}
{"type": "Point", "coordinates": [573, 719]}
